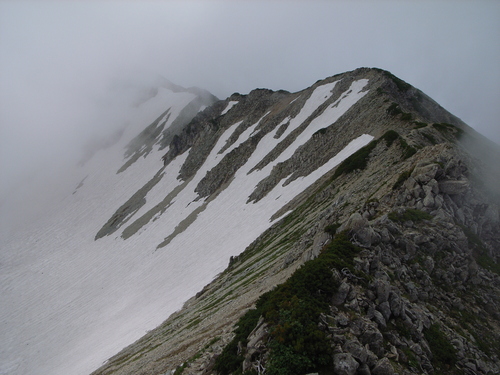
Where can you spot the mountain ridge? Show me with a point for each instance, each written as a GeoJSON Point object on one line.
{"type": "Point", "coordinates": [410, 198]}
{"type": "Point", "coordinates": [273, 183]}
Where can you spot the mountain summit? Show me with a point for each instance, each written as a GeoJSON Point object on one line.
{"type": "Point", "coordinates": [359, 219]}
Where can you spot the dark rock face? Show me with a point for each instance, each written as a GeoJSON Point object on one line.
{"type": "Point", "coordinates": [427, 275]}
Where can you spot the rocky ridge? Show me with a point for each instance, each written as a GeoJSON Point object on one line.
{"type": "Point", "coordinates": [422, 292]}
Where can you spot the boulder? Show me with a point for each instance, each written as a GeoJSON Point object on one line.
{"type": "Point", "coordinates": [344, 364]}
{"type": "Point", "coordinates": [358, 351]}
{"type": "Point", "coordinates": [396, 304]}
{"type": "Point", "coordinates": [425, 173]}
{"type": "Point", "coordinates": [374, 339]}
{"type": "Point", "coordinates": [382, 289]}
{"type": "Point", "coordinates": [383, 367]}
{"type": "Point", "coordinates": [379, 319]}
{"type": "Point", "coordinates": [385, 310]}
{"type": "Point", "coordinates": [354, 223]}
{"type": "Point", "coordinates": [364, 369]}
{"type": "Point", "coordinates": [453, 187]}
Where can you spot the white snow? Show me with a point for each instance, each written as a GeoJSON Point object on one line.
{"type": "Point", "coordinates": [69, 302]}
{"type": "Point", "coordinates": [328, 117]}
{"type": "Point", "coordinates": [230, 105]}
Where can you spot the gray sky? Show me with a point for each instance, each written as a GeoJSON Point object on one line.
{"type": "Point", "coordinates": [60, 60]}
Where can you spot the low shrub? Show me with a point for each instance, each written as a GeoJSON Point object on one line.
{"type": "Point", "coordinates": [449, 128]}
{"type": "Point", "coordinates": [229, 360]}
{"type": "Point", "coordinates": [406, 116]}
{"type": "Point", "coordinates": [394, 109]}
{"type": "Point", "coordinates": [292, 311]}
{"type": "Point", "coordinates": [419, 125]}
{"type": "Point", "coordinates": [444, 354]}
{"type": "Point", "coordinates": [332, 229]}
{"type": "Point", "coordinates": [430, 138]}
{"type": "Point", "coordinates": [358, 160]}
{"type": "Point", "coordinates": [409, 215]}
{"type": "Point", "coordinates": [390, 136]}
{"type": "Point", "coordinates": [408, 151]}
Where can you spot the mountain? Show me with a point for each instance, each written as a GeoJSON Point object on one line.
{"type": "Point", "coordinates": [352, 227]}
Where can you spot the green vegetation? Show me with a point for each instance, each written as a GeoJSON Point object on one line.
{"type": "Point", "coordinates": [292, 311]}
{"type": "Point", "coordinates": [419, 125]}
{"type": "Point", "coordinates": [410, 357]}
{"type": "Point", "coordinates": [230, 361]}
{"type": "Point", "coordinates": [409, 214]}
{"type": "Point", "coordinates": [445, 128]}
{"type": "Point", "coordinates": [390, 136]}
{"type": "Point", "coordinates": [320, 132]}
{"type": "Point", "coordinates": [358, 160]}
{"type": "Point", "coordinates": [332, 229]}
{"type": "Point", "coordinates": [394, 109]}
{"type": "Point", "coordinates": [444, 354]}
{"type": "Point", "coordinates": [402, 178]}
{"type": "Point", "coordinates": [406, 116]}
{"type": "Point", "coordinates": [430, 138]}
{"type": "Point", "coordinates": [408, 151]}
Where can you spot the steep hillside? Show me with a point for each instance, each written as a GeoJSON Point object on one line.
{"type": "Point", "coordinates": [368, 204]}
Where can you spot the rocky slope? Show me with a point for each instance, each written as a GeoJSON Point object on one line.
{"type": "Point", "coordinates": [405, 231]}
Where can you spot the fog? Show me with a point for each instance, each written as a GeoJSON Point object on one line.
{"type": "Point", "coordinates": [69, 71]}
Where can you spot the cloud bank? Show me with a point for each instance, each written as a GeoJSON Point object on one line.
{"type": "Point", "coordinates": [70, 70]}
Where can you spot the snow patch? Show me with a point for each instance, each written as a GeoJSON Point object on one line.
{"type": "Point", "coordinates": [230, 105]}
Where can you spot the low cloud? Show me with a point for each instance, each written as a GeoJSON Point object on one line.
{"type": "Point", "coordinates": [70, 70]}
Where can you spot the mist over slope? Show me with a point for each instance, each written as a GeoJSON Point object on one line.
{"type": "Point", "coordinates": [154, 213]}
{"type": "Point", "coordinates": [57, 282]}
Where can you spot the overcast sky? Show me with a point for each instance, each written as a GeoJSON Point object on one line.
{"type": "Point", "coordinates": [60, 60]}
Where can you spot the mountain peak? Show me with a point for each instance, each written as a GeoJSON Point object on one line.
{"type": "Point", "coordinates": [357, 200]}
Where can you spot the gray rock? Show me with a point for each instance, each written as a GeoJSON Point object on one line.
{"type": "Point", "coordinates": [416, 348]}
{"type": "Point", "coordinates": [354, 223]}
{"type": "Point", "coordinates": [382, 290]}
{"type": "Point", "coordinates": [344, 364]}
{"type": "Point", "coordinates": [366, 236]}
{"type": "Point", "coordinates": [453, 187]}
{"type": "Point", "coordinates": [256, 342]}
{"type": "Point", "coordinates": [385, 236]}
{"type": "Point", "coordinates": [396, 304]}
{"type": "Point", "coordinates": [434, 185]}
{"type": "Point", "coordinates": [410, 183]}
{"type": "Point", "coordinates": [363, 369]}
{"type": "Point", "coordinates": [374, 339]}
{"type": "Point", "coordinates": [385, 310]}
{"type": "Point", "coordinates": [383, 367]}
{"type": "Point", "coordinates": [341, 294]}
{"type": "Point", "coordinates": [358, 351]}
{"type": "Point", "coordinates": [428, 264]}
{"type": "Point", "coordinates": [429, 201]}
{"type": "Point", "coordinates": [372, 359]}
{"type": "Point", "coordinates": [424, 174]}
{"type": "Point", "coordinates": [379, 319]}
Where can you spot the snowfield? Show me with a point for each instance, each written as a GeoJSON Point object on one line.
{"type": "Point", "coordinates": [70, 302]}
